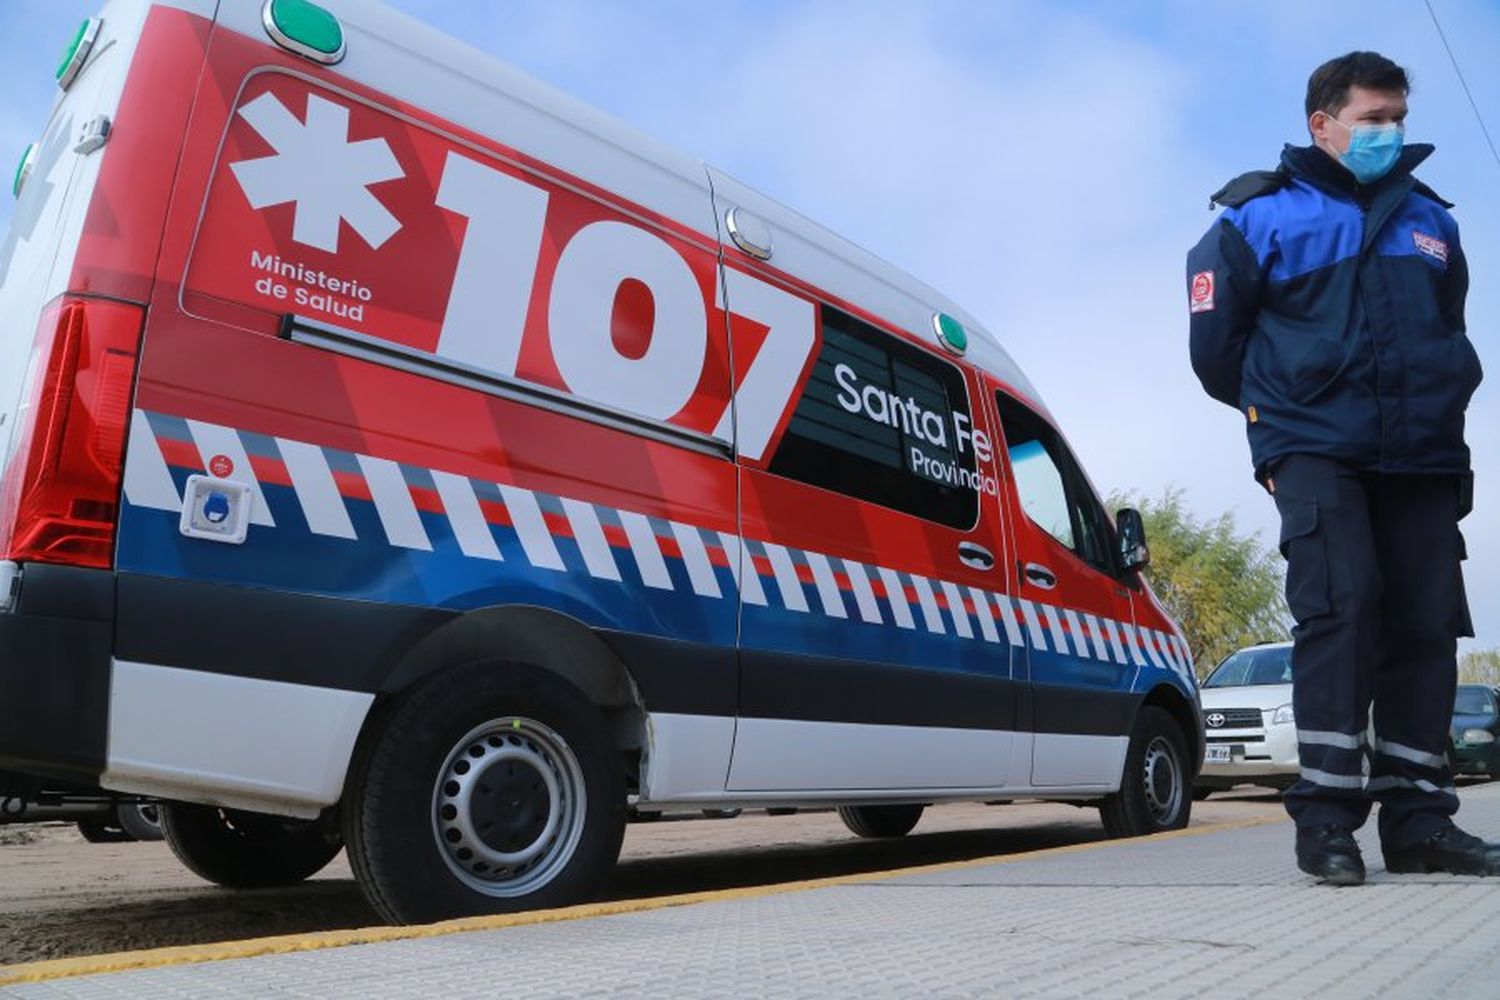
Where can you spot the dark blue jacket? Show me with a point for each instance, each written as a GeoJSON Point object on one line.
{"type": "Point", "coordinates": [1331, 315]}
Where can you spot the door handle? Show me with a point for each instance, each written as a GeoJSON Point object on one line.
{"type": "Point", "coordinates": [1040, 575]}
{"type": "Point", "coordinates": [975, 556]}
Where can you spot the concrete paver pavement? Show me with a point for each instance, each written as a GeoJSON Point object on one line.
{"type": "Point", "coordinates": [1221, 913]}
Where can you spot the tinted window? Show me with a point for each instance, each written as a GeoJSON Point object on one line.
{"type": "Point", "coordinates": [886, 422]}
{"type": "Point", "coordinates": [1250, 667]}
{"type": "Point", "coordinates": [1051, 487]}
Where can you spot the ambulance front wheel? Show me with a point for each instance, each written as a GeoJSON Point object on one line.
{"type": "Point", "coordinates": [491, 788]}
{"type": "Point", "coordinates": [1155, 794]}
{"type": "Point", "coordinates": [244, 850]}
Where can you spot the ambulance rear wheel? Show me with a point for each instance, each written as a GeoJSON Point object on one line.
{"type": "Point", "coordinates": [490, 788]}
{"type": "Point", "coordinates": [881, 821]}
{"type": "Point", "coordinates": [1155, 794]}
{"type": "Point", "coordinates": [245, 850]}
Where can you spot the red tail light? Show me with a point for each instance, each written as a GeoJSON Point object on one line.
{"type": "Point", "coordinates": [60, 494]}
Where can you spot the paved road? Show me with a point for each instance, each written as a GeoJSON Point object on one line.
{"type": "Point", "coordinates": [1160, 918]}
{"type": "Point", "coordinates": [60, 896]}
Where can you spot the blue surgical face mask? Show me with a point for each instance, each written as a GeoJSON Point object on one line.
{"type": "Point", "coordinates": [1373, 150]}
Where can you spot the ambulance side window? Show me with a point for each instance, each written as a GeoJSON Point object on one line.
{"type": "Point", "coordinates": [1052, 489]}
{"type": "Point", "coordinates": [883, 421]}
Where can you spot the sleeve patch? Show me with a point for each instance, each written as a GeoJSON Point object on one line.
{"type": "Point", "coordinates": [1201, 296]}
{"type": "Point", "coordinates": [1431, 246]}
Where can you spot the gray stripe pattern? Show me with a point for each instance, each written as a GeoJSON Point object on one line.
{"type": "Point", "coordinates": [1390, 781]}
{"type": "Point", "coordinates": [1325, 738]}
{"type": "Point", "coordinates": [1329, 780]}
{"type": "Point", "coordinates": [1400, 751]}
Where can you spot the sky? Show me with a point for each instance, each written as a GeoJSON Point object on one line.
{"type": "Point", "coordinates": [1047, 165]}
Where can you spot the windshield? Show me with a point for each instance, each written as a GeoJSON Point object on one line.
{"type": "Point", "coordinates": [1251, 667]}
{"type": "Point", "coordinates": [1473, 701]}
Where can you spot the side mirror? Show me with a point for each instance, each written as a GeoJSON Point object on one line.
{"type": "Point", "coordinates": [1134, 553]}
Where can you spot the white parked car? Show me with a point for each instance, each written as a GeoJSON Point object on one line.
{"type": "Point", "coordinates": [1251, 734]}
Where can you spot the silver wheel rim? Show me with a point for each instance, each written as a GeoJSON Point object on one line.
{"type": "Point", "coordinates": [508, 807]}
{"type": "Point", "coordinates": [1162, 781]}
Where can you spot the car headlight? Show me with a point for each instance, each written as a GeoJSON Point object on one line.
{"type": "Point", "coordinates": [1283, 716]}
{"type": "Point", "coordinates": [1478, 736]}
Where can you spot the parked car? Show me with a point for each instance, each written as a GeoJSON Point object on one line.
{"type": "Point", "coordinates": [1476, 723]}
{"type": "Point", "coordinates": [1251, 733]}
{"type": "Point", "coordinates": [100, 818]}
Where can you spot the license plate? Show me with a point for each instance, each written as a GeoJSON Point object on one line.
{"type": "Point", "coordinates": [1220, 753]}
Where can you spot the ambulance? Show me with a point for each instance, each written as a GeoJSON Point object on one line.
{"type": "Point", "coordinates": [402, 457]}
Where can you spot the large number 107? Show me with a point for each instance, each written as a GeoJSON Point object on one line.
{"type": "Point", "coordinates": [492, 288]}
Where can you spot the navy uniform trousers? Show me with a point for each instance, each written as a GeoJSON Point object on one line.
{"type": "Point", "coordinates": [1374, 581]}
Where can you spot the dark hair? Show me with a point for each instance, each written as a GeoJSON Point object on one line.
{"type": "Point", "coordinates": [1328, 87]}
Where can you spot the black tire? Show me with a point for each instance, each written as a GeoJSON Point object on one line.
{"type": "Point", "coordinates": [1154, 793]}
{"type": "Point", "coordinates": [431, 835]}
{"type": "Point", "coordinates": [139, 820]}
{"type": "Point", "coordinates": [720, 813]}
{"type": "Point", "coordinates": [98, 831]}
{"type": "Point", "coordinates": [245, 850]}
{"type": "Point", "coordinates": [881, 821]}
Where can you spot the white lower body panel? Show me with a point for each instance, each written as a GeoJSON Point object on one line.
{"type": "Point", "coordinates": [238, 742]}
{"type": "Point", "coordinates": [687, 757]}
{"type": "Point", "coordinates": [1063, 759]}
{"type": "Point", "coordinates": [793, 755]}
{"type": "Point", "coordinates": [705, 760]}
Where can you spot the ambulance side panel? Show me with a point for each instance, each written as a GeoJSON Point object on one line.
{"type": "Point", "coordinates": [401, 330]}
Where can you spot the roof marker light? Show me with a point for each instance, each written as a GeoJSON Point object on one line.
{"type": "Point", "coordinates": [23, 169]}
{"type": "Point", "coordinates": [749, 233]}
{"type": "Point", "coordinates": [304, 28]}
{"type": "Point", "coordinates": [77, 52]}
{"type": "Point", "coordinates": [950, 333]}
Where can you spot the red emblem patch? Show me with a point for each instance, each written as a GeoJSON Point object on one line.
{"type": "Point", "coordinates": [221, 466]}
{"type": "Point", "coordinates": [1201, 298]}
{"type": "Point", "coordinates": [1431, 246]}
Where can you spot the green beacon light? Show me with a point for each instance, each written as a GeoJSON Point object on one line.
{"type": "Point", "coordinates": [23, 169]}
{"type": "Point", "coordinates": [950, 333]}
{"type": "Point", "coordinates": [304, 28]}
{"type": "Point", "coordinates": [77, 52]}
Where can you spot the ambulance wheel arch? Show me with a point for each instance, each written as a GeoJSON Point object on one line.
{"type": "Point", "coordinates": [548, 639]}
{"type": "Point", "coordinates": [1172, 701]}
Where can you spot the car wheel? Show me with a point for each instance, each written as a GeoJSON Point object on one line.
{"type": "Point", "coordinates": [245, 850]}
{"type": "Point", "coordinates": [1154, 792]}
{"type": "Point", "coordinates": [720, 813]}
{"type": "Point", "coordinates": [881, 821]}
{"type": "Point", "coordinates": [490, 788]}
{"type": "Point", "coordinates": [139, 820]}
{"type": "Point", "coordinates": [98, 831]}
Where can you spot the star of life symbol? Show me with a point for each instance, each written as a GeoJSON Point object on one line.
{"type": "Point", "coordinates": [316, 166]}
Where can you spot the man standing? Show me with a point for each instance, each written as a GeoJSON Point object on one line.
{"type": "Point", "coordinates": [1327, 306]}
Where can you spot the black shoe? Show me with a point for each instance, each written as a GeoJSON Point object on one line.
{"type": "Point", "coordinates": [1329, 854]}
{"type": "Point", "coordinates": [1448, 850]}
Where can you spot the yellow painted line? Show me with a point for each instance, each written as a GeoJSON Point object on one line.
{"type": "Point", "coordinates": [155, 958]}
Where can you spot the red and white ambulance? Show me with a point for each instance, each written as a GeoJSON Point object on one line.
{"type": "Point", "coordinates": [399, 455]}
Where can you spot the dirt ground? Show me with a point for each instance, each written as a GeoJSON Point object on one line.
{"type": "Point", "coordinates": [62, 896]}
